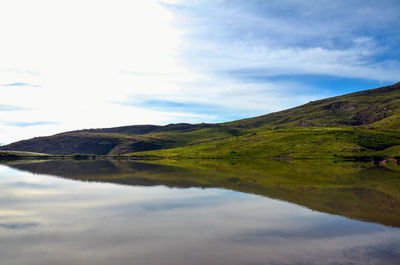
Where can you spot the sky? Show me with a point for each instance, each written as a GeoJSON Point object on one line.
{"type": "Point", "coordinates": [68, 65]}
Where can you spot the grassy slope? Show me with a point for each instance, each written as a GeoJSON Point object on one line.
{"type": "Point", "coordinates": [11, 154]}
{"type": "Point", "coordinates": [107, 143]}
{"type": "Point", "coordinates": [374, 108]}
{"type": "Point", "coordinates": [293, 143]}
{"type": "Point", "coordinates": [357, 190]}
{"type": "Point", "coordinates": [359, 124]}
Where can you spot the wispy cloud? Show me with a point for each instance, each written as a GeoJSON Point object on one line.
{"type": "Point", "coordinates": [11, 108]}
{"type": "Point", "coordinates": [20, 84]}
{"type": "Point", "coordinates": [137, 73]}
{"type": "Point", "coordinates": [232, 99]}
{"type": "Point", "coordinates": [29, 124]}
{"type": "Point", "coordinates": [211, 112]}
{"type": "Point", "coordinates": [171, 105]}
{"type": "Point", "coordinates": [22, 71]}
{"type": "Point", "coordinates": [289, 37]}
{"type": "Point", "coordinates": [17, 226]}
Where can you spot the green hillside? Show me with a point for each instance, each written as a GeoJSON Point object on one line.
{"type": "Point", "coordinates": [375, 108]}
{"type": "Point", "coordinates": [294, 143]}
{"type": "Point", "coordinates": [17, 154]}
{"type": "Point", "coordinates": [357, 125]}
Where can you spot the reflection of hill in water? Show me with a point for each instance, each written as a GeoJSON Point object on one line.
{"type": "Point", "coordinates": [356, 190]}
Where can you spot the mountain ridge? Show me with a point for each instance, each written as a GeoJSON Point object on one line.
{"type": "Point", "coordinates": [339, 103]}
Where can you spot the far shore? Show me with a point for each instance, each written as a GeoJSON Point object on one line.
{"type": "Point", "coordinates": [19, 155]}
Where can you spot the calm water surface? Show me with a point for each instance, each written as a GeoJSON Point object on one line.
{"type": "Point", "coordinates": [51, 220]}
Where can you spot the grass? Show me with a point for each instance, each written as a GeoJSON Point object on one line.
{"type": "Point", "coordinates": [374, 108]}
{"type": "Point", "coordinates": [300, 143]}
{"type": "Point", "coordinates": [18, 154]}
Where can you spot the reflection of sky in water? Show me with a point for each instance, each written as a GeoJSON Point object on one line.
{"type": "Point", "coordinates": [46, 220]}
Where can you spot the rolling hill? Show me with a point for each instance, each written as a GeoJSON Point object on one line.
{"type": "Point", "coordinates": [374, 108]}
{"type": "Point", "coordinates": [360, 124]}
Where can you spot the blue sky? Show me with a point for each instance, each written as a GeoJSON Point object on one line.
{"type": "Point", "coordinates": [156, 62]}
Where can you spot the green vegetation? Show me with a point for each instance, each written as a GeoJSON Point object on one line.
{"type": "Point", "coordinates": [11, 155]}
{"type": "Point", "coordinates": [300, 143]}
{"type": "Point", "coordinates": [358, 126]}
{"type": "Point", "coordinates": [81, 156]}
{"type": "Point", "coordinates": [362, 191]}
{"type": "Point", "coordinates": [375, 108]}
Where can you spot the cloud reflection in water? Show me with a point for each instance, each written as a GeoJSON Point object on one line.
{"type": "Point", "coordinates": [69, 222]}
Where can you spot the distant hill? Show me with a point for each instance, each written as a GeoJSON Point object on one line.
{"type": "Point", "coordinates": [121, 140]}
{"type": "Point", "coordinates": [145, 129]}
{"type": "Point", "coordinates": [361, 123]}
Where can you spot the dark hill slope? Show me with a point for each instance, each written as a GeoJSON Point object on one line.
{"type": "Point", "coordinates": [145, 129]}
{"type": "Point", "coordinates": [71, 143]}
{"type": "Point", "coordinates": [121, 140]}
{"type": "Point", "coordinates": [377, 108]}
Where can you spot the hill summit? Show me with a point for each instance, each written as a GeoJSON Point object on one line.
{"type": "Point", "coordinates": [374, 108]}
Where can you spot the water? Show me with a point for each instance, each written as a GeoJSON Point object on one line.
{"type": "Point", "coordinates": [51, 220]}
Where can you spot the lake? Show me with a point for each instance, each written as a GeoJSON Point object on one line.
{"type": "Point", "coordinates": [199, 212]}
